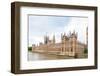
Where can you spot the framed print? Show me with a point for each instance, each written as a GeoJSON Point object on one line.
{"type": "Point", "coordinates": [52, 37]}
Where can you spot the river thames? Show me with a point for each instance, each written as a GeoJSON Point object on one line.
{"type": "Point", "coordinates": [40, 56]}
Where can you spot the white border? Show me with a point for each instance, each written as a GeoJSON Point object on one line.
{"type": "Point", "coordinates": [24, 64]}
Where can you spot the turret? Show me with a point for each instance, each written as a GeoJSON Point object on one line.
{"type": "Point", "coordinates": [61, 36]}
{"type": "Point", "coordinates": [74, 35]}
{"type": "Point", "coordinates": [87, 35]}
{"type": "Point", "coordinates": [74, 40]}
{"type": "Point", "coordinates": [53, 39]}
{"type": "Point", "coordinates": [46, 39]}
{"type": "Point", "coordinates": [73, 43]}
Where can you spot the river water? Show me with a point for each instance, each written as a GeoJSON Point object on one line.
{"type": "Point", "coordinates": [38, 56]}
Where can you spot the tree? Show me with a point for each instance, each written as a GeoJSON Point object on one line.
{"type": "Point", "coordinates": [29, 48]}
{"type": "Point", "coordinates": [85, 50]}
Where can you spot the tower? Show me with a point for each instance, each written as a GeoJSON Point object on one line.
{"type": "Point", "coordinates": [64, 39]}
{"type": "Point", "coordinates": [46, 39]}
{"type": "Point", "coordinates": [64, 42]}
{"type": "Point", "coordinates": [61, 37]}
{"type": "Point", "coordinates": [87, 36]}
{"type": "Point", "coordinates": [74, 43]}
{"type": "Point", "coordinates": [61, 43]}
{"type": "Point", "coordinates": [53, 39]}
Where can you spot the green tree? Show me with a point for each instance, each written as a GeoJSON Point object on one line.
{"type": "Point", "coordinates": [29, 48]}
{"type": "Point", "coordinates": [85, 50]}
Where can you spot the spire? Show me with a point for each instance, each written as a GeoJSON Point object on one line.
{"type": "Point", "coordinates": [74, 32]}
{"type": "Point", "coordinates": [61, 36]}
{"type": "Point", "coordinates": [87, 35]}
{"type": "Point", "coordinates": [46, 38]}
{"type": "Point", "coordinates": [70, 33]}
{"type": "Point", "coordinates": [53, 38]}
{"type": "Point", "coordinates": [64, 34]}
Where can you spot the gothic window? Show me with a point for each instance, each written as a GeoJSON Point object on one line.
{"type": "Point", "coordinates": [71, 50]}
{"type": "Point", "coordinates": [62, 49]}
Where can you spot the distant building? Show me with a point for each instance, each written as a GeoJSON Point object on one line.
{"type": "Point", "coordinates": [69, 45]}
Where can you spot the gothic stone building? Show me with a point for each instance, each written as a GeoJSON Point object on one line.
{"type": "Point", "coordinates": [69, 46]}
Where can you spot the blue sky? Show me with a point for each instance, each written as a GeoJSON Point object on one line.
{"type": "Point", "coordinates": [55, 25]}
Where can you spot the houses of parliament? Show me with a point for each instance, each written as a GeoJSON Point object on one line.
{"type": "Point", "coordinates": [68, 45]}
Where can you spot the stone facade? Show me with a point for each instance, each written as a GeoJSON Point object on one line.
{"type": "Point", "coordinates": [69, 45]}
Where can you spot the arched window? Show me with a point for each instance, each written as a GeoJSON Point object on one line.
{"type": "Point", "coordinates": [71, 50]}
